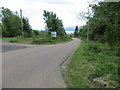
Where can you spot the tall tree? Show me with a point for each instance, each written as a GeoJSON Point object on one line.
{"type": "Point", "coordinates": [104, 25]}
{"type": "Point", "coordinates": [26, 27]}
{"type": "Point", "coordinates": [53, 23]}
{"type": "Point", "coordinates": [11, 23]}
{"type": "Point", "coordinates": [76, 31]}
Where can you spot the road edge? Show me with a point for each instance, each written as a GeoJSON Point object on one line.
{"type": "Point", "coordinates": [64, 65]}
{"type": "Point", "coordinates": [67, 60]}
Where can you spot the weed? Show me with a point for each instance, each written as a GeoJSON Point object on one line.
{"type": "Point", "coordinates": [91, 61]}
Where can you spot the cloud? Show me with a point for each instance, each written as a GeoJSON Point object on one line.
{"type": "Point", "coordinates": [60, 2]}
{"type": "Point", "coordinates": [67, 10]}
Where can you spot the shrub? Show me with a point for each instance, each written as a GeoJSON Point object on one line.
{"type": "Point", "coordinates": [13, 40]}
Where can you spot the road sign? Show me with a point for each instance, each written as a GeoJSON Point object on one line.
{"type": "Point", "coordinates": [53, 34]}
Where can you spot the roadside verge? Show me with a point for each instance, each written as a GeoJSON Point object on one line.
{"type": "Point", "coordinates": [66, 62]}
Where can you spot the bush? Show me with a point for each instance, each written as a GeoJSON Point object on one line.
{"type": "Point", "coordinates": [42, 41]}
{"type": "Point", "coordinates": [103, 69]}
{"type": "Point", "coordinates": [94, 47]}
{"type": "Point", "coordinates": [91, 61]}
{"type": "Point", "coordinates": [17, 39]}
{"type": "Point", "coordinates": [13, 40]}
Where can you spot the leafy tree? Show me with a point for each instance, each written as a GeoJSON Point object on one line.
{"type": "Point", "coordinates": [104, 25]}
{"type": "Point", "coordinates": [83, 31]}
{"type": "Point", "coordinates": [53, 23]}
{"type": "Point", "coordinates": [12, 24]}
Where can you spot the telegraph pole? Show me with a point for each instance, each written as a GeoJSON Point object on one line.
{"type": "Point", "coordinates": [21, 22]}
{"type": "Point", "coordinates": [88, 26]}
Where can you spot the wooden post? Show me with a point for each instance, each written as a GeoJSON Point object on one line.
{"type": "Point", "coordinates": [21, 22]}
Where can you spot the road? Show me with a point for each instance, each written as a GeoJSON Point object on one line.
{"type": "Point", "coordinates": [6, 46]}
{"type": "Point", "coordinates": [36, 67]}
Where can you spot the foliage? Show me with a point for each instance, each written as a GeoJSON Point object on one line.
{"type": "Point", "coordinates": [35, 33]}
{"type": "Point", "coordinates": [104, 25]}
{"type": "Point", "coordinates": [76, 31]}
{"type": "Point", "coordinates": [99, 59]}
{"type": "Point", "coordinates": [19, 39]}
{"type": "Point", "coordinates": [45, 41]}
{"type": "Point", "coordinates": [37, 40]}
{"type": "Point", "coordinates": [26, 27]}
{"type": "Point", "coordinates": [91, 61]}
{"type": "Point", "coordinates": [44, 34]}
{"type": "Point", "coordinates": [53, 23]}
{"type": "Point", "coordinates": [40, 34]}
{"type": "Point", "coordinates": [71, 35]}
{"type": "Point", "coordinates": [12, 24]}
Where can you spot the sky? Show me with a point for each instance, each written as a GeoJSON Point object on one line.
{"type": "Point", "coordinates": [67, 10]}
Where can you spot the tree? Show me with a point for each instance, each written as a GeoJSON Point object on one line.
{"type": "Point", "coordinates": [11, 23]}
{"type": "Point", "coordinates": [26, 27]}
{"type": "Point", "coordinates": [76, 31]}
{"type": "Point", "coordinates": [35, 33]}
{"type": "Point", "coordinates": [53, 23]}
{"type": "Point", "coordinates": [104, 25]}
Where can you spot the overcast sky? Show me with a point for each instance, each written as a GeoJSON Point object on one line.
{"type": "Point", "coordinates": [67, 10]}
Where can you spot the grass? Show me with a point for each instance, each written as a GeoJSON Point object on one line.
{"type": "Point", "coordinates": [93, 65]}
{"type": "Point", "coordinates": [22, 40]}
{"type": "Point", "coordinates": [49, 41]}
{"type": "Point", "coordinates": [7, 37]}
{"type": "Point", "coordinates": [38, 41]}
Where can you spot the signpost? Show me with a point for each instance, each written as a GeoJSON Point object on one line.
{"type": "Point", "coordinates": [53, 34]}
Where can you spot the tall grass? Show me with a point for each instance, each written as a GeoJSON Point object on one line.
{"type": "Point", "coordinates": [93, 65]}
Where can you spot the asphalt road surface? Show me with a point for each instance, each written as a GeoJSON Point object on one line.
{"type": "Point", "coordinates": [36, 67]}
{"type": "Point", "coordinates": [6, 46]}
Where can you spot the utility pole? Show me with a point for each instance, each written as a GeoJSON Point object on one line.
{"type": "Point", "coordinates": [21, 22]}
{"type": "Point", "coordinates": [88, 24]}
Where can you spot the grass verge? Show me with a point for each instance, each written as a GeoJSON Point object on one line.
{"type": "Point", "coordinates": [93, 65]}
{"type": "Point", "coordinates": [21, 40]}
{"type": "Point", "coordinates": [38, 41]}
{"type": "Point", "coordinates": [7, 37]}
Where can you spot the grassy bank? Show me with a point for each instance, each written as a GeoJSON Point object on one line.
{"type": "Point", "coordinates": [38, 41]}
{"type": "Point", "coordinates": [93, 65]}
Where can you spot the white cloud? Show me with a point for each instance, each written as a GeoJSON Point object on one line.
{"type": "Point", "coordinates": [67, 10]}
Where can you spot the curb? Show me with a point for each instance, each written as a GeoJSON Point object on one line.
{"type": "Point", "coordinates": [64, 65]}
{"type": "Point", "coordinates": [67, 61]}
